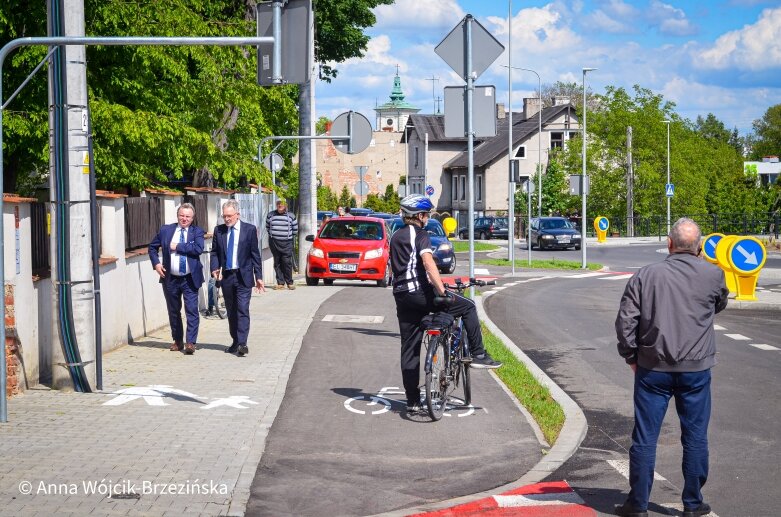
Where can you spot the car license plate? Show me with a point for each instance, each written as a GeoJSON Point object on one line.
{"type": "Point", "coordinates": [344, 267]}
{"type": "Point", "coordinates": [563, 238]}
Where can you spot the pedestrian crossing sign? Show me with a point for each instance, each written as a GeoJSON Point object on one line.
{"type": "Point", "coordinates": [669, 189]}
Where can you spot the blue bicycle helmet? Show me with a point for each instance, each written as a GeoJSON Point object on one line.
{"type": "Point", "coordinates": [415, 204]}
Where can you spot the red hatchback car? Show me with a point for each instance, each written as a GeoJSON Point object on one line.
{"type": "Point", "coordinates": [350, 248]}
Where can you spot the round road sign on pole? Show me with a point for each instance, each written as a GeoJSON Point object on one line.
{"type": "Point", "coordinates": [709, 247]}
{"type": "Point", "coordinates": [429, 190]}
{"type": "Point", "coordinates": [274, 162]}
{"type": "Point", "coordinates": [355, 126]}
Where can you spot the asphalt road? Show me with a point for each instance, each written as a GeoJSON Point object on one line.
{"type": "Point", "coordinates": [327, 454]}
{"type": "Point", "coordinates": [566, 326]}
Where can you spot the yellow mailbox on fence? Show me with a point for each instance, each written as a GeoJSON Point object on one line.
{"type": "Point", "coordinates": [449, 224]}
{"type": "Point", "coordinates": [601, 224]}
{"type": "Point", "coordinates": [746, 256]}
{"type": "Point", "coordinates": [722, 248]}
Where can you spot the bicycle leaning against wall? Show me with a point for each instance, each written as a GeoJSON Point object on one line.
{"type": "Point", "coordinates": [447, 355]}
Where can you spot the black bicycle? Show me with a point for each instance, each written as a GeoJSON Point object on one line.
{"type": "Point", "coordinates": [447, 355]}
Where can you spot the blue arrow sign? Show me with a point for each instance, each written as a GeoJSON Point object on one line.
{"type": "Point", "coordinates": [603, 223]}
{"type": "Point", "coordinates": [747, 255]}
{"type": "Point", "coordinates": [669, 189]}
{"type": "Point", "coordinates": [709, 246]}
{"type": "Point", "coordinates": [429, 190]}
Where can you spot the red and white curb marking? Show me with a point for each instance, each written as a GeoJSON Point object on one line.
{"type": "Point", "coordinates": [550, 499]}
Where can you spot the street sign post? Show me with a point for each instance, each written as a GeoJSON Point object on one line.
{"type": "Point", "coordinates": [429, 190]}
{"type": "Point", "coordinates": [601, 224]}
{"type": "Point", "coordinates": [669, 189]}
{"type": "Point", "coordinates": [357, 127]}
{"type": "Point", "coordinates": [746, 255]}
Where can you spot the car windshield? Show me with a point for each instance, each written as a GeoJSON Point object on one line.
{"type": "Point", "coordinates": [501, 222]}
{"type": "Point", "coordinates": [434, 227]}
{"type": "Point", "coordinates": [555, 224]}
{"type": "Point", "coordinates": [355, 230]}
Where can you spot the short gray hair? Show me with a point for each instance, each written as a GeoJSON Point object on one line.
{"type": "Point", "coordinates": [188, 206]}
{"type": "Point", "coordinates": [685, 235]}
{"type": "Point", "coordinates": [231, 203]}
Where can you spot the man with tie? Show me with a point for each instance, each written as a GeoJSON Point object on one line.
{"type": "Point", "coordinates": [181, 274]}
{"type": "Point", "coordinates": [235, 258]}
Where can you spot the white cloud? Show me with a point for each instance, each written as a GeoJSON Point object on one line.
{"type": "Point", "coordinates": [404, 14]}
{"type": "Point", "coordinates": [670, 20]}
{"type": "Point", "coordinates": [599, 20]}
{"type": "Point", "coordinates": [754, 47]}
{"type": "Point", "coordinates": [541, 30]}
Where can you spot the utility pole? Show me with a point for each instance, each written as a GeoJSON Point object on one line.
{"type": "Point", "coordinates": [434, 80]}
{"type": "Point", "coordinates": [630, 186]}
{"type": "Point", "coordinates": [307, 178]}
{"type": "Point", "coordinates": [73, 350]}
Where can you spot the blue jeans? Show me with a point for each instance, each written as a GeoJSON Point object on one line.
{"type": "Point", "coordinates": [653, 391]}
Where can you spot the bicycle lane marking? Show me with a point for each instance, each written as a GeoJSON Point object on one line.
{"type": "Point", "coordinates": [458, 404]}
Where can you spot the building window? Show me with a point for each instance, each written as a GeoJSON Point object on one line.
{"type": "Point", "coordinates": [521, 152]}
{"type": "Point", "coordinates": [556, 139]}
{"type": "Point", "coordinates": [454, 183]}
{"type": "Point", "coordinates": [479, 188]}
{"type": "Point", "coordinates": [417, 156]}
{"type": "Point", "coordinates": [463, 188]}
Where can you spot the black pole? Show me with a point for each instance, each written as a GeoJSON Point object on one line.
{"type": "Point", "coordinates": [93, 214]}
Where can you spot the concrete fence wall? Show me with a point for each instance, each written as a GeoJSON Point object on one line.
{"type": "Point", "coordinates": [132, 303]}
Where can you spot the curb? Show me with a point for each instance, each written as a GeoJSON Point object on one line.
{"type": "Point", "coordinates": [572, 433]}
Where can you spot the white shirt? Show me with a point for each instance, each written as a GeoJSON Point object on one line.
{"type": "Point", "coordinates": [236, 233]}
{"type": "Point", "coordinates": [176, 239]}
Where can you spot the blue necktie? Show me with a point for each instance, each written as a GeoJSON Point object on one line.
{"type": "Point", "coordinates": [230, 249]}
{"type": "Point", "coordinates": [182, 258]}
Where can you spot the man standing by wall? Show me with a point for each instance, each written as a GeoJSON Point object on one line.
{"type": "Point", "coordinates": [282, 228]}
{"type": "Point", "coordinates": [235, 258]}
{"type": "Point", "coordinates": [180, 273]}
{"type": "Point", "coordinates": [665, 333]}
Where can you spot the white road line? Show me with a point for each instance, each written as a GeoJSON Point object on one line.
{"type": "Point", "coordinates": [718, 327]}
{"type": "Point", "coordinates": [500, 288]}
{"type": "Point", "coordinates": [764, 346]}
{"type": "Point", "coordinates": [618, 277]}
{"type": "Point", "coordinates": [586, 275]}
{"type": "Point", "coordinates": [552, 498]}
{"type": "Point", "coordinates": [622, 466]}
{"type": "Point", "coordinates": [738, 337]}
{"type": "Point", "coordinates": [481, 271]}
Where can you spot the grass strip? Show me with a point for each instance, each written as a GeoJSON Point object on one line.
{"type": "Point", "coordinates": [535, 397]}
{"type": "Point", "coordinates": [552, 263]}
{"type": "Point", "coordinates": [479, 246]}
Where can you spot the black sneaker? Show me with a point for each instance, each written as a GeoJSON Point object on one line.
{"type": "Point", "coordinates": [627, 510]}
{"type": "Point", "coordinates": [484, 361]}
{"type": "Point", "coordinates": [242, 351]}
{"type": "Point", "coordinates": [415, 408]}
{"type": "Point", "coordinates": [703, 509]}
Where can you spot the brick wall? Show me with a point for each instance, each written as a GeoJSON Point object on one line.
{"type": "Point", "coordinates": [11, 343]}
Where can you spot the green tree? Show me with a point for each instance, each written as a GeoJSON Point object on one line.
{"type": "Point", "coordinates": [326, 199]}
{"type": "Point", "coordinates": [345, 199]}
{"type": "Point", "coordinates": [766, 140]}
{"type": "Point", "coordinates": [391, 199]}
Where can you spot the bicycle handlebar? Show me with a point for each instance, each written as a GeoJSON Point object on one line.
{"type": "Point", "coordinates": [460, 287]}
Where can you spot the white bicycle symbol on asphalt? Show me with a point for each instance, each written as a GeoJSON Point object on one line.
{"type": "Point", "coordinates": [379, 403]}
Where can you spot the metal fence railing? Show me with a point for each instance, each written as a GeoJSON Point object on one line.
{"type": "Point", "coordinates": [143, 218]}
{"type": "Point", "coordinates": [39, 236]}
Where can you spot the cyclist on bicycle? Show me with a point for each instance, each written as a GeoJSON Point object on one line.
{"type": "Point", "coordinates": [416, 281]}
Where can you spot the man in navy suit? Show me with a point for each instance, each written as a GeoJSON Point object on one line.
{"type": "Point", "coordinates": [181, 274]}
{"type": "Point", "coordinates": [235, 259]}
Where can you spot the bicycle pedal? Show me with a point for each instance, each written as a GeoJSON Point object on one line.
{"type": "Point", "coordinates": [466, 360]}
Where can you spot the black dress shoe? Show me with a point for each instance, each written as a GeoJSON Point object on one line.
{"type": "Point", "coordinates": [243, 350]}
{"type": "Point", "coordinates": [703, 509]}
{"type": "Point", "coordinates": [627, 510]}
{"type": "Point", "coordinates": [232, 349]}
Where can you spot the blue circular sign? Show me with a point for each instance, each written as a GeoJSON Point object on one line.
{"type": "Point", "coordinates": [603, 223]}
{"type": "Point", "coordinates": [429, 190]}
{"type": "Point", "coordinates": [747, 255]}
{"type": "Point", "coordinates": [709, 246]}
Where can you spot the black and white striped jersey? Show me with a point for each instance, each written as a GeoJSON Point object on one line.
{"type": "Point", "coordinates": [407, 246]}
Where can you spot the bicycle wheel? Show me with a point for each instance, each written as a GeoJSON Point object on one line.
{"type": "Point", "coordinates": [219, 302]}
{"type": "Point", "coordinates": [436, 376]}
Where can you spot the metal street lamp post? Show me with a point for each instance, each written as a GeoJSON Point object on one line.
{"type": "Point", "coordinates": [668, 174]}
{"type": "Point", "coordinates": [584, 179]}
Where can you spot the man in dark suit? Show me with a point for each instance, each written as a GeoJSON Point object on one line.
{"type": "Point", "coordinates": [235, 259]}
{"type": "Point", "coordinates": [181, 274]}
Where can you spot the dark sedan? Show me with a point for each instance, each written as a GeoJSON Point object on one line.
{"type": "Point", "coordinates": [554, 233]}
{"type": "Point", "coordinates": [443, 253]}
{"type": "Point", "coordinates": [488, 227]}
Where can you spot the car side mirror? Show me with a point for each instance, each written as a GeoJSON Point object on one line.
{"type": "Point", "coordinates": [310, 238]}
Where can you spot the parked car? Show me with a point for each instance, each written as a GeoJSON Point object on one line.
{"type": "Point", "coordinates": [350, 248]}
{"type": "Point", "coordinates": [357, 212]}
{"type": "Point", "coordinates": [554, 232]}
{"type": "Point", "coordinates": [442, 248]}
{"type": "Point", "coordinates": [488, 227]}
{"type": "Point", "coordinates": [383, 215]}
{"type": "Point", "coordinates": [321, 214]}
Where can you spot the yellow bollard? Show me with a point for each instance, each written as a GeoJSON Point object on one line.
{"type": "Point", "coordinates": [722, 249]}
{"type": "Point", "coordinates": [601, 224]}
{"type": "Point", "coordinates": [746, 256]}
{"type": "Point", "coordinates": [449, 224]}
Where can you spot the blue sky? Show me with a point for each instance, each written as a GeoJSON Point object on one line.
{"type": "Point", "coordinates": [721, 57]}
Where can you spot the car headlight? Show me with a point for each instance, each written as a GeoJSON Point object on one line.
{"type": "Point", "coordinates": [445, 246]}
{"type": "Point", "coordinates": [548, 237]}
{"type": "Point", "coordinates": [373, 254]}
{"type": "Point", "coordinates": [576, 236]}
{"type": "Point", "coordinates": [316, 252]}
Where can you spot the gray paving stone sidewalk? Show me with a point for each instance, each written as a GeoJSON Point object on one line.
{"type": "Point", "coordinates": [169, 434]}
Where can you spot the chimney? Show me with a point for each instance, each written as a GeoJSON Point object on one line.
{"type": "Point", "coordinates": [770, 159]}
{"type": "Point", "coordinates": [500, 114]}
{"type": "Point", "coordinates": [560, 100]}
{"type": "Point", "coordinates": [531, 106]}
